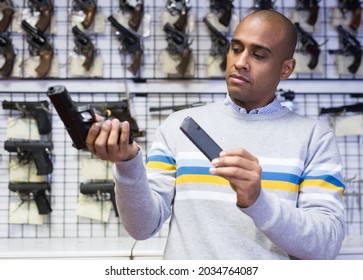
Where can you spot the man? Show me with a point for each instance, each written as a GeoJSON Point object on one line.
{"type": "Point", "coordinates": [276, 190]}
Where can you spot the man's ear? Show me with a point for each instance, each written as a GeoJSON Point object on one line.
{"type": "Point", "coordinates": [287, 68]}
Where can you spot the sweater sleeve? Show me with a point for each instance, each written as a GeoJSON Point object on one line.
{"type": "Point", "coordinates": [144, 199]}
{"type": "Point", "coordinates": [314, 228]}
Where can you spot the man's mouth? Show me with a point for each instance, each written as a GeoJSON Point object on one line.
{"type": "Point", "coordinates": [239, 77]}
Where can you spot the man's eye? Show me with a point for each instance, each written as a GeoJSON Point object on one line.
{"type": "Point", "coordinates": [236, 49]}
{"type": "Point", "coordinates": [258, 56]}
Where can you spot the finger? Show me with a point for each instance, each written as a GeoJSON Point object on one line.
{"type": "Point", "coordinates": [235, 161]}
{"type": "Point", "coordinates": [238, 152]}
{"type": "Point", "coordinates": [231, 173]}
{"type": "Point", "coordinates": [125, 134]}
{"type": "Point", "coordinates": [100, 144]}
{"type": "Point", "coordinates": [92, 135]}
{"type": "Point", "coordinates": [114, 133]}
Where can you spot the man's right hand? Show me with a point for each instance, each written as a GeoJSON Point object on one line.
{"type": "Point", "coordinates": [102, 141]}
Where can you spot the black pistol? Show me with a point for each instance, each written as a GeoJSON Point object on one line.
{"type": "Point", "coordinates": [77, 119]}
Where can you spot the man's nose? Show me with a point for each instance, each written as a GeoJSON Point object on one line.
{"type": "Point", "coordinates": [242, 61]}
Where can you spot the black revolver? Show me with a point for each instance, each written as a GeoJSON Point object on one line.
{"type": "Point", "coordinates": [77, 119]}
{"type": "Point", "coordinates": [84, 46]}
{"type": "Point", "coordinates": [131, 43]}
{"type": "Point", "coordinates": [39, 45]}
{"type": "Point", "coordinates": [350, 46]}
{"type": "Point", "coordinates": [309, 45]}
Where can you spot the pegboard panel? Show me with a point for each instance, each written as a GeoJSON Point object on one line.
{"type": "Point", "coordinates": [149, 110]}
{"type": "Point", "coordinates": [114, 64]}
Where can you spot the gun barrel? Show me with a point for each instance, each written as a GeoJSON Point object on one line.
{"type": "Point", "coordinates": [76, 126]}
{"type": "Point", "coordinates": [177, 37]}
{"type": "Point", "coordinates": [119, 27]}
{"type": "Point", "coordinates": [80, 35]}
{"type": "Point", "coordinates": [34, 33]}
{"type": "Point", "coordinates": [15, 145]}
{"type": "Point", "coordinates": [25, 187]}
{"type": "Point", "coordinates": [27, 27]}
{"type": "Point", "coordinates": [93, 187]}
{"type": "Point", "coordinates": [25, 105]}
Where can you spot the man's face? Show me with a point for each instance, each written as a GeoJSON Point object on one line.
{"type": "Point", "coordinates": [255, 62]}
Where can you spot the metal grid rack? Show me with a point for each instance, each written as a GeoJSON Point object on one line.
{"type": "Point", "coordinates": [67, 175]}
{"type": "Point", "coordinates": [115, 64]}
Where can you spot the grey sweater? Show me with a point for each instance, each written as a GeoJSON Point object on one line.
{"type": "Point", "coordinates": [298, 214]}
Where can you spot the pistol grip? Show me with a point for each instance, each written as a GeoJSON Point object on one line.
{"type": "Point", "coordinates": [314, 60]}
{"type": "Point", "coordinates": [226, 16]}
{"type": "Point", "coordinates": [45, 63]}
{"type": "Point", "coordinates": [183, 65]}
{"type": "Point", "coordinates": [44, 20]}
{"type": "Point", "coordinates": [89, 59]}
{"type": "Point", "coordinates": [135, 65]}
{"type": "Point", "coordinates": [42, 202]}
{"type": "Point", "coordinates": [181, 23]}
{"type": "Point", "coordinates": [90, 16]}
{"type": "Point", "coordinates": [135, 20]}
{"type": "Point", "coordinates": [43, 163]}
{"type": "Point", "coordinates": [313, 16]}
{"type": "Point", "coordinates": [7, 68]}
{"type": "Point", "coordinates": [356, 19]}
{"type": "Point", "coordinates": [7, 17]}
{"type": "Point", "coordinates": [43, 121]}
{"type": "Point", "coordinates": [353, 68]}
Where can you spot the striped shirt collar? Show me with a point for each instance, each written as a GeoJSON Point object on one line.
{"type": "Point", "coordinates": [272, 107]}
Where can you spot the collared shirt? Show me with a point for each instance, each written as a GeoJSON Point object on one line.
{"type": "Point", "coordinates": [272, 107]}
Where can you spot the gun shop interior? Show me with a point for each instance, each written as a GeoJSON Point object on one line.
{"type": "Point", "coordinates": [140, 61]}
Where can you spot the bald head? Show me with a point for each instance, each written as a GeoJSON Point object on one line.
{"type": "Point", "coordinates": [278, 20]}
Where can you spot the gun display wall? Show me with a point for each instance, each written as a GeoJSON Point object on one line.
{"type": "Point", "coordinates": [184, 39]}
{"type": "Point", "coordinates": [48, 188]}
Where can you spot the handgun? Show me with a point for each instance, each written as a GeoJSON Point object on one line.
{"type": "Point", "coordinates": [36, 191]}
{"type": "Point", "coordinates": [84, 46]}
{"type": "Point", "coordinates": [39, 110]}
{"type": "Point", "coordinates": [131, 43]}
{"type": "Point", "coordinates": [103, 190]}
{"type": "Point", "coordinates": [350, 46]}
{"type": "Point", "coordinates": [309, 45]}
{"type": "Point", "coordinates": [178, 44]}
{"type": "Point", "coordinates": [27, 150]}
{"type": "Point", "coordinates": [76, 119]}
{"type": "Point", "coordinates": [220, 44]}
{"type": "Point", "coordinates": [39, 45]}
